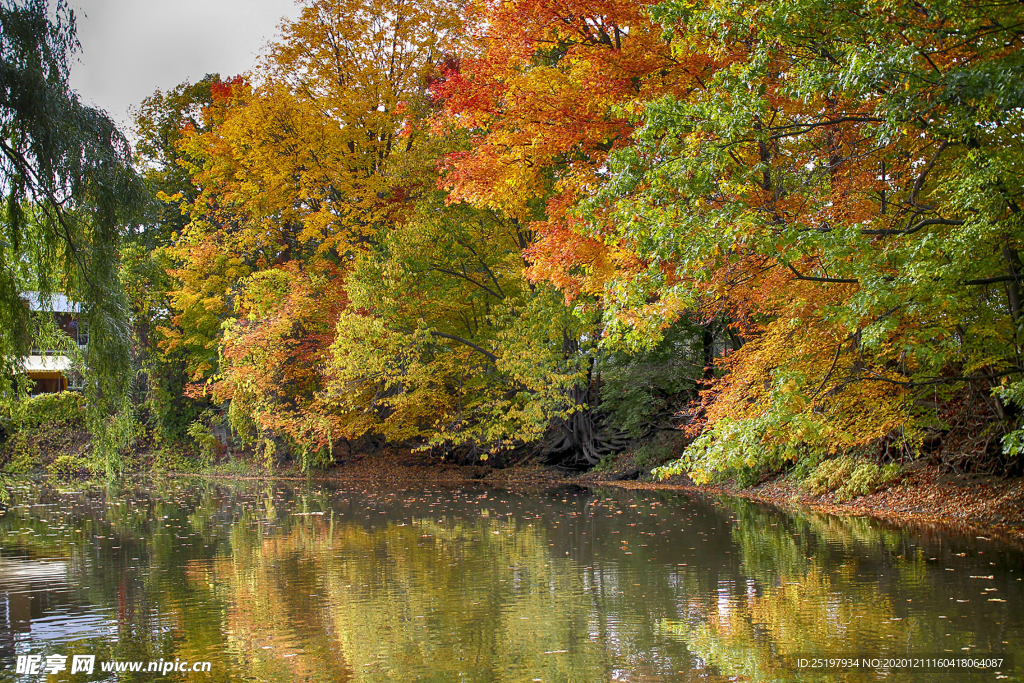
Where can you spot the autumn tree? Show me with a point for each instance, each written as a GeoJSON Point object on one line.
{"type": "Point", "coordinates": [541, 93]}
{"type": "Point", "coordinates": [161, 121]}
{"type": "Point", "coordinates": [828, 185]}
{"type": "Point", "coordinates": [447, 343]}
{"type": "Point", "coordinates": [273, 358]}
{"type": "Point", "coordinates": [845, 190]}
{"type": "Point", "coordinates": [290, 170]}
{"type": "Point", "coordinates": [544, 95]}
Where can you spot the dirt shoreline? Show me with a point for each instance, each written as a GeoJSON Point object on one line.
{"type": "Point", "coordinates": [923, 498]}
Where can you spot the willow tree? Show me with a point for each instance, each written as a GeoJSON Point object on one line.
{"type": "Point", "coordinates": [69, 193]}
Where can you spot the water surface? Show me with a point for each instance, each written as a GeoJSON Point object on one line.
{"type": "Point", "coordinates": [310, 582]}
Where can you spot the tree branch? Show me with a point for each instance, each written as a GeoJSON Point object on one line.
{"type": "Point", "coordinates": [993, 280]}
{"type": "Point", "coordinates": [941, 380]}
{"type": "Point", "coordinates": [479, 349]}
{"type": "Point", "coordinates": [481, 285]}
{"type": "Point", "coordinates": [919, 183]}
{"type": "Point", "coordinates": [839, 349]}
{"type": "Point", "coordinates": [809, 278]}
{"type": "Point", "coordinates": [801, 128]}
{"type": "Point", "coordinates": [914, 228]}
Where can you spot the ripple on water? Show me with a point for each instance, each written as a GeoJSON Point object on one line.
{"type": "Point", "coordinates": [279, 582]}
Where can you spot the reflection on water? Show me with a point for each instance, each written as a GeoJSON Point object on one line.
{"type": "Point", "coordinates": [286, 582]}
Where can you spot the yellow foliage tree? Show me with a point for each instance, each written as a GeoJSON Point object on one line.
{"type": "Point", "coordinates": [292, 166]}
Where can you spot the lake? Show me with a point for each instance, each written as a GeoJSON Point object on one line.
{"type": "Point", "coordinates": [287, 581]}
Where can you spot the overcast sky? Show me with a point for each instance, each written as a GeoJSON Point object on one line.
{"type": "Point", "coordinates": [132, 47]}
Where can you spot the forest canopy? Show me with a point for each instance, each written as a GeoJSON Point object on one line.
{"type": "Point", "coordinates": [754, 235]}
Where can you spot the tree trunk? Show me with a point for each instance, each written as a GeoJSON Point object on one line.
{"type": "Point", "coordinates": [708, 339]}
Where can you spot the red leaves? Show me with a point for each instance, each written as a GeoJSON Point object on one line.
{"type": "Point", "coordinates": [545, 93]}
{"type": "Point", "coordinates": [225, 90]}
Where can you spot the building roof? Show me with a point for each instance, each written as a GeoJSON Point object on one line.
{"type": "Point", "coordinates": [41, 364]}
{"type": "Point", "coordinates": [55, 303]}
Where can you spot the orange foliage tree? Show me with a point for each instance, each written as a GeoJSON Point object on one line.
{"type": "Point", "coordinates": [541, 91]}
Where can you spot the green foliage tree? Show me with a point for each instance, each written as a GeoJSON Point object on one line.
{"type": "Point", "coordinates": [161, 121]}
{"type": "Point", "coordinates": [838, 182]}
{"type": "Point", "coordinates": [845, 181]}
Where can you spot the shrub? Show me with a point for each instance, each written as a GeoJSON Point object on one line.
{"type": "Point", "coordinates": [170, 458]}
{"type": "Point", "coordinates": [234, 467]}
{"type": "Point", "coordinates": [641, 389]}
{"type": "Point", "coordinates": [607, 463]}
{"type": "Point", "coordinates": [850, 477]}
{"type": "Point", "coordinates": [654, 453]}
{"type": "Point", "coordinates": [70, 466]}
{"type": "Point", "coordinates": [67, 407]}
{"type": "Point", "coordinates": [830, 475]}
{"type": "Point", "coordinates": [206, 443]}
{"type": "Point", "coordinates": [868, 478]}
{"type": "Point", "coordinates": [23, 458]}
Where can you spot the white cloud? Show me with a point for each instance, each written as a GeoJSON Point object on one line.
{"type": "Point", "coordinates": [132, 47]}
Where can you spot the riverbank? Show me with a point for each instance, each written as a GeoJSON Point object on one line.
{"type": "Point", "coordinates": [403, 468]}
{"type": "Point", "coordinates": [922, 497]}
